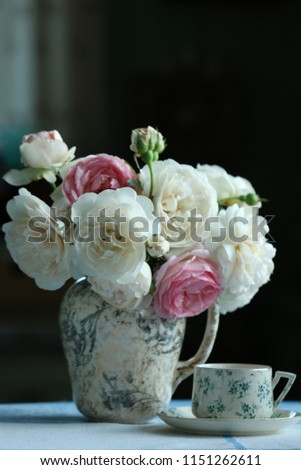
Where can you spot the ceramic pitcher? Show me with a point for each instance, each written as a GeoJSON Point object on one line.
{"type": "Point", "coordinates": [124, 364]}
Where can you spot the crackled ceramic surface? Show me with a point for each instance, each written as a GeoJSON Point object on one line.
{"type": "Point", "coordinates": [121, 363]}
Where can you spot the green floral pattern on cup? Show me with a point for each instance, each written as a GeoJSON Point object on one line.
{"type": "Point", "coordinates": [263, 390]}
{"type": "Point", "coordinates": [238, 389]}
{"type": "Point", "coordinates": [248, 411]}
{"type": "Point", "coordinates": [206, 385]}
{"type": "Point", "coordinates": [216, 408]}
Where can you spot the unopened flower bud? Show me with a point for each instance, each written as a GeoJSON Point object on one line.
{"type": "Point", "coordinates": [251, 199]}
{"type": "Point", "coordinates": [157, 246]}
{"type": "Point", "coordinates": [147, 140]}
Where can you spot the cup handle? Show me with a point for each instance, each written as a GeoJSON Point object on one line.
{"type": "Point", "coordinates": [290, 380]}
{"type": "Point", "coordinates": [185, 368]}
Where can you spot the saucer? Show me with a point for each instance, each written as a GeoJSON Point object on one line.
{"type": "Point", "coordinates": [182, 418]}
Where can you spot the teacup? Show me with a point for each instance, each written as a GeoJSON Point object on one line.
{"type": "Point", "coordinates": [232, 391]}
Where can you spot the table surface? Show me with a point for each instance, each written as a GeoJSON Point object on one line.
{"type": "Point", "coordinates": [58, 425]}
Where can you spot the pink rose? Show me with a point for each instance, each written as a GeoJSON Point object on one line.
{"type": "Point", "coordinates": [186, 285]}
{"type": "Point", "coordinates": [96, 173]}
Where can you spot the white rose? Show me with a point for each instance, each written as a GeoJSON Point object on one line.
{"type": "Point", "coordinates": [180, 192]}
{"type": "Point", "coordinates": [226, 185]}
{"type": "Point", "coordinates": [43, 153]}
{"type": "Point", "coordinates": [35, 240]}
{"type": "Point", "coordinates": [112, 228]}
{"type": "Point", "coordinates": [242, 253]}
{"type": "Point", "coordinates": [124, 295]}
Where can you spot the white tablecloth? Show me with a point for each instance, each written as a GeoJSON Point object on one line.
{"type": "Point", "coordinates": [59, 425]}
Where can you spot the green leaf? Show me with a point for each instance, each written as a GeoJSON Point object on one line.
{"type": "Point", "coordinates": [135, 183]}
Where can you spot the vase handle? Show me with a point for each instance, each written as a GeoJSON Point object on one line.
{"type": "Point", "coordinates": [185, 368]}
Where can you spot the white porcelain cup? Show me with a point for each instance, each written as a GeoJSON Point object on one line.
{"type": "Point", "coordinates": [232, 391]}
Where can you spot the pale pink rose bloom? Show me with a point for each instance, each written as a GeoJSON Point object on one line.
{"type": "Point", "coordinates": [43, 154]}
{"type": "Point", "coordinates": [186, 285]}
{"type": "Point", "coordinates": [45, 149]}
{"type": "Point", "coordinates": [96, 173]}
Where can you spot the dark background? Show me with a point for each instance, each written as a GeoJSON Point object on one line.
{"type": "Point", "coordinates": [221, 81]}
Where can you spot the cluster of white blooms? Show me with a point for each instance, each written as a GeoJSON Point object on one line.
{"type": "Point", "coordinates": [244, 262]}
{"type": "Point", "coordinates": [112, 224]}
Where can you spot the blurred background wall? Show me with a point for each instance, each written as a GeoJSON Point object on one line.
{"type": "Point", "coordinates": [221, 81]}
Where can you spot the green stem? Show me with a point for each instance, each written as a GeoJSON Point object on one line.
{"type": "Point", "coordinates": [136, 161]}
{"type": "Point", "coordinates": [151, 170]}
{"type": "Point", "coordinates": [53, 185]}
{"type": "Point", "coordinates": [250, 199]}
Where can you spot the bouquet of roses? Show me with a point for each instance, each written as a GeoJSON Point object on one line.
{"type": "Point", "coordinates": [171, 235]}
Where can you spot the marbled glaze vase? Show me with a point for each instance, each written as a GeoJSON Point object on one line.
{"type": "Point", "coordinates": [123, 364]}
